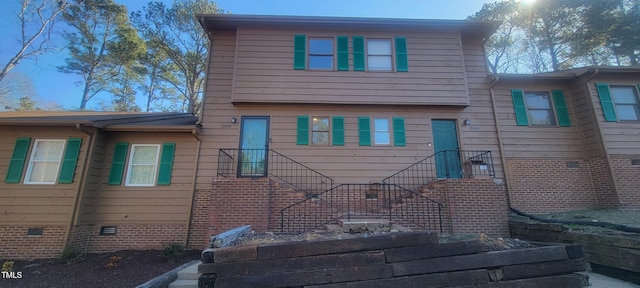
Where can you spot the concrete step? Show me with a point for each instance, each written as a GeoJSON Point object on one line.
{"type": "Point", "coordinates": [184, 284]}
{"type": "Point", "coordinates": [187, 277]}
{"type": "Point", "coordinates": [189, 273]}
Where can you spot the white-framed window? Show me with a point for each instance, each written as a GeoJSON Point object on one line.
{"type": "Point", "coordinates": [143, 163]}
{"type": "Point", "coordinates": [381, 135]}
{"type": "Point", "coordinates": [44, 162]}
{"type": "Point", "coordinates": [321, 53]}
{"type": "Point", "coordinates": [539, 108]}
{"type": "Point", "coordinates": [379, 55]}
{"type": "Point", "coordinates": [626, 101]}
{"type": "Point", "coordinates": [320, 130]}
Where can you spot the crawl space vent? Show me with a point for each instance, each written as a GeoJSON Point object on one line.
{"type": "Point", "coordinates": [34, 231]}
{"type": "Point", "coordinates": [572, 165]}
{"type": "Point", "coordinates": [108, 230]}
{"type": "Point", "coordinates": [635, 162]}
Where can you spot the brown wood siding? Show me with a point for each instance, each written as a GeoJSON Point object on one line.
{"type": "Point", "coordinates": [264, 72]}
{"type": "Point", "coordinates": [95, 175]}
{"type": "Point", "coordinates": [587, 120]}
{"type": "Point", "coordinates": [620, 137]}
{"type": "Point", "coordinates": [32, 204]}
{"type": "Point", "coordinates": [350, 163]}
{"type": "Point", "coordinates": [155, 204]}
{"type": "Point", "coordinates": [541, 142]}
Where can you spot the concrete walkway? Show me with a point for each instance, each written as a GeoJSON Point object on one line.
{"type": "Point", "coordinates": [601, 281]}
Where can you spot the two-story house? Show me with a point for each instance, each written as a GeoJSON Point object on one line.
{"type": "Point", "coordinates": [315, 120]}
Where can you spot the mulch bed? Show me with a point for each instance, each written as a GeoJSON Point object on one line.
{"type": "Point", "coordinates": [134, 268]}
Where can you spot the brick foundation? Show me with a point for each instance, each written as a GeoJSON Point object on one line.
{"type": "Point", "coordinates": [627, 180]}
{"type": "Point", "coordinates": [471, 205]}
{"type": "Point", "coordinates": [135, 237]}
{"type": "Point", "coordinates": [606, 195]}
{"type": "Point", "coordinates": [200, 227]}
{"type": "Point", "coordinates": [17, 245]}
{"type": "Point", "coordinates": [546, 186]}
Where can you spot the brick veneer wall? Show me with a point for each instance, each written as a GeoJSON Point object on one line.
{"type": "Point", "coordinates": [134, 237]}
{"type": "Point", "coordinates": [471, 205]}
{"type": "Point", "coordinates": [545, 186]}
{"type": "Point", "coordinates": [200, 227]}
{"type": "Point", "coordinates": [605, 190]}
{"type": "Point", "coordinates": [17, 245]}
{"type": "Point", "coordinates": [627, 180]}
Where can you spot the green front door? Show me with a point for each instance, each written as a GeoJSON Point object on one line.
{"type": "Point", "coordinates": [445, 145]}
{"type": "Point", "coordinates": [254, 145]}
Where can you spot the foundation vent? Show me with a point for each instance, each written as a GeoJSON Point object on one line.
{"type": "Point", "coordinates": [573, 164]}
{"type": "Point", "coordinates": [34, 231]}
{"type": "Point", "coordinates": [108, 230]}
{"type": "Point", "coordinates": [635, 162]}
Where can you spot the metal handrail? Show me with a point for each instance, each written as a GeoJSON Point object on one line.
{"type": "Point", "coordinates": [376, 200]}
{"type": "Point", "coordinates": [268, 162]}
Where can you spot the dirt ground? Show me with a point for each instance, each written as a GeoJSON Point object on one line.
{"type": "Point", "coordinates": [134, 268]}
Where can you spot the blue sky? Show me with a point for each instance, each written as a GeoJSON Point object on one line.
{"type": "Point", "coordinates": [65, 88]}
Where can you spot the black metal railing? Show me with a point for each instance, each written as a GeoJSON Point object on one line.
{"type": "Point", "coordinates": [445, 164]}
{"type": "Point", "coordinates": [267, 162]}
{"type": "Point", "coordinates": [350, 201]}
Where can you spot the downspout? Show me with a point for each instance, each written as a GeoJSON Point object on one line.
{"type": "Point", "coordinates": [499, 134]}
{"type": "Point", "coordinates": [81, 182]}
{"type": "Point", "coordinates": [604, 144]}
{"type": "Point", "coordinates": [195, 133]}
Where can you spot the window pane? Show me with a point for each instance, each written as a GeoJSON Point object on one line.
{"type": "Point", "coordinates": [320, 124]}
{"type": "Point", "coordinates": [320, 138]}
{"type": "Point", "coordinates": [377, 63]}
{"type": "Point", "coordinates": [381, 134]}
{"type": "Point", "coordinates": [144, 155]}
{"type": "Point", "coordinates": [379, 47]}
{"type": "Point", "coordinates": [382, 138]}
{"type": "Point", "coordinates": [541, 117]}
{"type": "Point", "coordinates": [320, 62]}
{"type": "Point", "coordinates": [627, 112]}
{"type": "Point", "coordinates": [142, 175]}
{"type": "Point", "coordinates": [623, 94]}
{"type": "Point", "coordinates": [142, 165]}
{"type": "Point", "coordinates": [44, 172]}
{"type": "Point", "coordinates": [538, 100]}
{"type": "Point", "coordinates": [48, 150]}
{"type": "Point", "coordinates": [320, 46]}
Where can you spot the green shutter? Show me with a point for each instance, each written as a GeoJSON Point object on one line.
{"type": "Point", "coordinates": [70, 160]}
{"type": "Point", "coordinates": [364, 131]}
{"type": "Point", "coordinates": [117, 165]}
{"type": "Point", "coordinates": [343, 53]}
{"type": "Point", "coordinates": [607, 105]}
{"type": "Point", "coordinates": [561, 108]}
{"type": "Point", "coordinates": [402, 62]}
{"type": "Point", "coordinates": [338, 130]}
{"type": "Point", "coordinates": [358, 53]}
{"type": "Point", "coordinates": [398, 132]}
{"type": "Point", "coordinates": [16, 165]}
{"type": "Point", "coordinates": [520, 107]}
{"type": "Point", "coordinates": [166, 163]}
{"type": "Point", "coordinates": [303, 130]}
{"type": "Point", "coordinates": [299, 52]}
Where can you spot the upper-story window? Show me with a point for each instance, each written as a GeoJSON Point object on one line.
{"type": "Point", "coordinates": [539, 108]}
{"type": "Point", "coordinates": [379, 55]}
{"type": "Point", "coordinates": [320, 53]}
{"type": "Point", "coordinates": [626, 102]}
{"type": "Point", "coordinates": [45, 161]}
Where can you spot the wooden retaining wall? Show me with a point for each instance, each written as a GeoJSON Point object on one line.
{"type": "Point", "coordinates": [413, 259]}
{"type": "Point", "coordinates": [618, 252]}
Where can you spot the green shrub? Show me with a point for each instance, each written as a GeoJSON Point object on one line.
{"type": "Point", "coordinates": [70, 255]}
{"type": "Point", "coordinates": [173, 251]}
